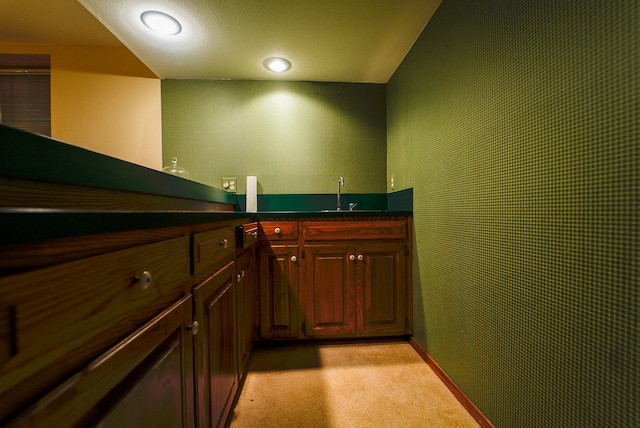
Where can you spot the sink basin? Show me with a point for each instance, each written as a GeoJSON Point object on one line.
{"type": "Point", "coordinates": [354, 211]}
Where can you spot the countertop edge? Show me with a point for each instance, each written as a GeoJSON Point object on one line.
{"type": "Point", "coordinates": [28, 225]}
{"type": "Point", "coordinates": [36, 157]}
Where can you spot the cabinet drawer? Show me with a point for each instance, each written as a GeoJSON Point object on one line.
{"type": "Point", "coordinates": [61, 317]}
{"type": "Point", "coordinates": [212, 250]}
{"type": "Point", "coordinates": [279, 230]}
{"type": "Point", "coordinates": [246, 235]}
{"type": "Point", "coordinates": [121, 386]}
{"type": "Point", "coordinates": [343, 230]}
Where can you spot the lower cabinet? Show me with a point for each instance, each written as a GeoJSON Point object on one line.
{"type": "Point", "coordinates": [247, 290]}
{"type": "Point", "coordinates": [215, 347]}
{"type": "Point", "coordinates": [329, 292]}
{"type": "Point", "coordinates": [335, 278]}
{"type": "Point", "coordinates": [279, 298]}
{"type": "Point", "coordinates": [354, 290]}
{"type": "Point", "coordinates": [182, 367]}
{"type": "Point", "coordinates": [381, 291]}
{"type": "Point", "coordinates": [56, 319]}
{"type": "Point", "coordinates": [144, 381]}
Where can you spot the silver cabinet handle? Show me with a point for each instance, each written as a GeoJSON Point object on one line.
{"type": "Point", "coordinates": [294, 258]}
{"type": "Point", "coordinates": [224, 243]}
{"type": "Point", "coordinates": [144, 280]}
{"type": "Point", "coordinates": [242, 273]}
{"type": "Point", "coordinates": [239, 277]}
{"type": "Point", "coordinates": [194, 328]}
{"type": "Point", "coordinates": [277, 230]}
{"type": "Point", "coordinates": [254, 234]}
{"type": "Point", "coordinates": [352, 257]}
{"type": "Point", "coordinates": [360, 257]}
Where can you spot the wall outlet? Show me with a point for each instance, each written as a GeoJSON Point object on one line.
{"type": "Point", "coordinates": [229, 184]}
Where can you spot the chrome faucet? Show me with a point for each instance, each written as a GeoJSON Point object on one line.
{"type": "Point", "coordinates": [340, 183]}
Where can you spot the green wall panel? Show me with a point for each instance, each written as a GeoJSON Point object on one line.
{"type": "Point", "coordinates": [296, 137]}
{"type": "Point", "coordinates": [517, 124]}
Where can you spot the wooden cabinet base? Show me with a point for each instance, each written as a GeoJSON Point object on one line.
{"type": "Point", "coordinates": [247, 290]}
{"type": "Point", "coordinates": [335, 278]}
{"type": "Point", "coordinates": [215, 347]}
{"type": "Point", "coordinates": [329, 291]}
{"type": "Point", "coordinates": [146, 380]}
{"type": "Point", "coordinates": [381, 290]}
{"type": "Point", "coordinates": [279, 301]}
{"type": "Point", "coordinates": [354, 290]}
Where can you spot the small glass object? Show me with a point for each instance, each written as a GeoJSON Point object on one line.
{"type": "Point", "coordinates": [176, 169]}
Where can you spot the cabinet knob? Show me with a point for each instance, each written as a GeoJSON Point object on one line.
{"type": "Point", "coordinates": [352, 257]}
{"type": "Point", "coordinates": [194, 328]}
{"type": "Point", "coordinates": [277, 230]}
{"type": "Point", "coordinates": [143, 280]}
{"type": "Point", "coordinates": [254, 234]}
{"type": "Point", "coordinates": [224, 243]}
{"type": "Point", "coordinates": [294, 258]}
{"type": "Point", "coordinates": [239, 277]}
{"type": "Point", "coordinates": [360, 257]}
{"type": "Point", "coordinates": [242, 273]}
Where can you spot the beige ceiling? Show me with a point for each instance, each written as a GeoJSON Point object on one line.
{"type": "Point", "coordinates": [59, 22]}
{"type": "Point", "coordinates": [325, 40]}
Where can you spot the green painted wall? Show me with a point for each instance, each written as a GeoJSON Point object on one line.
{"type": "Point", "coordinates": [296, 137]}
{"type": "Point", "coordinates": [517, 123]}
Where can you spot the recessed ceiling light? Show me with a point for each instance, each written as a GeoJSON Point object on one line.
{"type": "Point", "coordinates": [277, 64]}
{"type": "Point", "coordinates": [161, 22]}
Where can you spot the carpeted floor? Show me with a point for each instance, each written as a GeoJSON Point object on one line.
{"type": "Point", "coordinates": [345, 385]}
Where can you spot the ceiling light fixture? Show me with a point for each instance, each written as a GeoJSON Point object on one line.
{"type": "Point", "coordinates": [277, 64]}
{"type": "Point", "coordinates": [161, 22]}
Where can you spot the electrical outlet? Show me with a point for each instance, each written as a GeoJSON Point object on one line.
{"type": "Point", "coordinates": [229, 184]}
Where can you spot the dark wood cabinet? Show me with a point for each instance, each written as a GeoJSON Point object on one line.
{"type": "Point", "coordinates": [141, 316]}
{"type": "Point", "coordinates": [329, 291]}
{"type": "Point", "coordinates": [381, 289]}
{"type": "Point", "coordinates": [247, 288]}
{"type": "Point", "coordinates": [354, 290]}
{"type": "Point", "coordinates": [279, 292]}
{"type": "Point", "coordinates": [158, 331]}
{"type": "Point", "coordinates": [216, 347]}
{"type": "Point", "coordinates": [335, 278]}
{"type": "Point", "coordinates": [57, 319]}
{"type": "Point", "coordinates": [145, 380]}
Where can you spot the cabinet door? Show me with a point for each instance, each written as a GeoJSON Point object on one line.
{"type": "Point", "coordinates": [215, 347]}
{"type": "Point", "coordinates": [144, 381]}
{"type": "Point", "coordinates": [279, 302]}
{"type": "Point", "coordinates": [56, 320]}
{"type": "Point", "coordinates": [329, 290]}
{"type": "Point", "coordinates": [381, 289]}
{"type": "Point", "coordinates": [247, 286]}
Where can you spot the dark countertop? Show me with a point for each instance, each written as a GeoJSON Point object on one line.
{"type": "Point", "coordinates": [328, 214]}
{"type": "Point", "coordinates": [24, 225]}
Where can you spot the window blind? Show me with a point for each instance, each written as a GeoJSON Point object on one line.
{"type": "Point", "coordinates": [25, 102]}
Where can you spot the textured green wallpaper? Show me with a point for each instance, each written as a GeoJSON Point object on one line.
{"type": "Point", "coordinates": [296, 137]}
{"type": "Point", "coordinates": [517, 123]}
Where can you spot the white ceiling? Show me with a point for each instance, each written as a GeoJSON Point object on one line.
{"type": "Point", "coordinates": [325, 40]}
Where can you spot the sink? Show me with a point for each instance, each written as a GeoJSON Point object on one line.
{"type": "Point", "coordinates": [354, 211]}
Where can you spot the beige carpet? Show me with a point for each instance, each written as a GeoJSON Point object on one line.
{"type": "Point", "coordinates": [346, 385]}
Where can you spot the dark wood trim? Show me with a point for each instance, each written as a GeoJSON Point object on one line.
{"type": "Point", "coordinates": [18, 192]}
{"type": "Point", "coordinates": [457, 392]}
